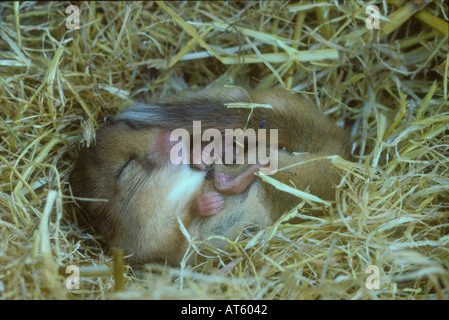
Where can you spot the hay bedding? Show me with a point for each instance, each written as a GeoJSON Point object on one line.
{"type": "Point", "coordinates": [389, 86]}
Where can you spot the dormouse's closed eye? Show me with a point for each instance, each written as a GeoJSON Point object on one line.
{"type": "Point", "coordinates": [143, 164]}
{"type": "Point", "coordinates": [124, 167]}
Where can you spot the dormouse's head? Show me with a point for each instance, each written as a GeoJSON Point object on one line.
{"type": "Point", "coordinates": [132, 192]}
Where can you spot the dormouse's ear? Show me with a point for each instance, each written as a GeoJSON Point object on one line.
{"type": "Point", "coordinates": [109, 120]}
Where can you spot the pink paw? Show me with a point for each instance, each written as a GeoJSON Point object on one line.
{"type": "Point", "coordinates": [226, 184]}
{"type": "Point", "coordinates": [210, 204]}
{"type": "Point", "coordinates": [223, 181]}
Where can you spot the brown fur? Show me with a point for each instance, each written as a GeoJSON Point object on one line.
{"type": "Point", "coordinates": [140, 215]}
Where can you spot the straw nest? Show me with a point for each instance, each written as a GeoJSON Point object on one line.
{"type": "Point", "coordinates": [388, 85]}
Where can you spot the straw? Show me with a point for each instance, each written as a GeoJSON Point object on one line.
{"type": "Point", "coordinates": [387, 86]}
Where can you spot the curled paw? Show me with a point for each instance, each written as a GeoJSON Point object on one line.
{"type": "Point", "coordinates": [209, 204]}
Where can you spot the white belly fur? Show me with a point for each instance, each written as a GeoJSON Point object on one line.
{"type": "Point", "coordinates": [185, 184]}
